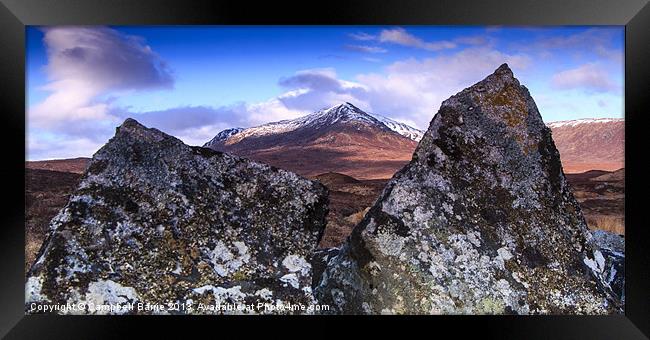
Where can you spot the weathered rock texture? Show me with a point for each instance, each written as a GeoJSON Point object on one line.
{"type": "Point", "coordinates": [612, 246]}
{"type": "Point", "coordinates": [480, 221]}
{"type": "Point", "coordinates": [155, 221]}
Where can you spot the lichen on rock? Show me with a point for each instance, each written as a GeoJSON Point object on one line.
{"type": "Point", "coordinates": [156, 221]}
{"type": "Point", "coordinates": [481, 221]}
{"type": "Point", "coordinates": [612, 248]}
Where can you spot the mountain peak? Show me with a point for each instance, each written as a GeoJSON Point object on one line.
{"type": "Point", "coordinates": [349, 106]}
{"type": "Point", "coordinates": [344, 105]}
{"type": "Point", "coordinates": [344, 109]}
{"type": "Point", "coordinates": [345, 112]}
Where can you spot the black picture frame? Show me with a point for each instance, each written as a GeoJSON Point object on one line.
{"type": "Point", "coordinates": [633, 14]}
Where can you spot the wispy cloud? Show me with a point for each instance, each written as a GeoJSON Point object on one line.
{"type": "Point", "coordinates": [598, 41]}
{"type": "Point", "coordinates": [400, 36]}
{"type": "Point", "coordinates": [366, 48]}
{"type": "Point", "coordinates": [361, 36]}
{"type": "Point", "coordinates": [590, 77]}
{"type": "Point", "coordinates": [587, 38]}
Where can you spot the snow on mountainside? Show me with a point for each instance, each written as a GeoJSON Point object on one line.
{"type": "Point", "coordinates": [342, 139]}
{"type": "Point", "coordinates": [223, 135]}
{"type": "Point", "coordinates": [577, 122]}
{"type": "Point", "coordinates": [345, 112]}
{"type": "Point", "coordinates": [401, 128]}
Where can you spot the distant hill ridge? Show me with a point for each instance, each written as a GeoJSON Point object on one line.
{"type": "Point", "coordinates": [342, 139]}
{"type": "Point", "coordinates": [590, 144]}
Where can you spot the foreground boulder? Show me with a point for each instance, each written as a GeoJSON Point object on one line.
{"type": "Point", "coordinates": [156, 222]}
{"type": "Point", "coordinates": [481, 221]}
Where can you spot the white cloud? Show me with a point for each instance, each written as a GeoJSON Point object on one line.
{"type": "Point", "coordinates": [318, 88]}
{"type": "Point", "coordinates": [412, 89]}
{"type": "Point", "coordinates": [40, 148]}
{"type": "Point", "coordinates": [200, 135]}
{"type": "Point", "coordinates": [590, 77]}
{"type": "Point", "coordinates": [401, 37]}
{"type": "Point", "coordinates": [85, 66]}
{"type": "Point", "coordinates": [274, 110]}
{"type": "Point", "coordinates": [85, 63]}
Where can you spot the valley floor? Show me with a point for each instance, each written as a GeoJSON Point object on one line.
{"type": "Point", "coordinates": [601, 195]}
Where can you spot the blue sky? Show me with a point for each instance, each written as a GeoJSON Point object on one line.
{"type": "Point", "coordinates": [193, 81]}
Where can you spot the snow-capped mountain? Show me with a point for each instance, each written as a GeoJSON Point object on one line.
{"type": "Point", "coordinates": [342, 138]}
{"type": "Point", "coordinates": [222, 136]}
{"type": "Point", "coordinates": [345, 112]}
{"type": "Point", "coordinates": [590, 144]}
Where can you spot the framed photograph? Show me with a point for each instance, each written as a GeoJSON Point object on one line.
{"type": "Point", "coordinates": [450, 164]}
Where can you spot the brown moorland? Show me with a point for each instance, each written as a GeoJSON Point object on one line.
{"type": "Point", "coordinates": [354, 149]}
{"type": "Point", "coordinates": [46, 192]}
{"type": "Point", "coordinates": [590, 144]}
{"type": "Point", "coordinates": [73, 165]}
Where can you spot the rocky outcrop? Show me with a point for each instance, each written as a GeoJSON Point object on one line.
{"type": "Point", "coordinates": [481, 221]}
{"type": "Point", "coordinates": [612, 246]}
{"type": "Point", "coordinates": [156, 222]}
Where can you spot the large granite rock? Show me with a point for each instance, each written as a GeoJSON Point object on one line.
{"type": "Point", "coordinates": [481, 221]}
{"type": "Point", "coordinates": [155, 221]}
